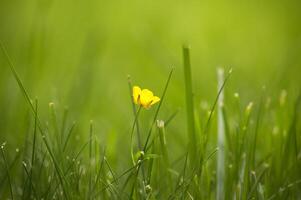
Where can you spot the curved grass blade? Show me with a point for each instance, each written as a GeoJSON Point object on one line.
{"type": "Point", "coordinates": [158, 109]}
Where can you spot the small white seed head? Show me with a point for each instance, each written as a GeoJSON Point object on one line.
{"type": "Point", "coordinates": [3, 145]}
{"type": "Point", "coordinates": [148, 188]}
{"type": "Point", "coordinates": [160, 123]}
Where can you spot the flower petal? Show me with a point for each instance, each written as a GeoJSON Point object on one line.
{"type": "Point", "coordinates": [155, 100]}
{"type": "Point", "coordinates": [136, 94]}
{"type": "Point", "coordinates": [146, 97]}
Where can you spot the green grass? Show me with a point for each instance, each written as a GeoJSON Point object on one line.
{"type": "Point", "coordinates": [247, 167]}
{"type": "Point", "coordinates": [69, 128]}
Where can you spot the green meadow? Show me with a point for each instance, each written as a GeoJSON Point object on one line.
{"type": "Point", "coordinates": [74, 125]}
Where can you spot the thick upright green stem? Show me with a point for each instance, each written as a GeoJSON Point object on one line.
{"type": "Point", "coordinates": [192, 145]}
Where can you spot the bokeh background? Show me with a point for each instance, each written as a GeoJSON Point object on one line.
{"type": "Point", "coordinates": [78, 54]}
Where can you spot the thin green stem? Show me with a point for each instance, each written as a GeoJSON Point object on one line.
{"type": "Point", "coordinates": [134, 113]}
{"type": "Point", "coordinates": [132, 135]}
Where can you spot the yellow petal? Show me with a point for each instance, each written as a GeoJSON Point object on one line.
{"type": "Point", "coordinates": [146, 98]}
{"type": "Point", "coordinates": [155, 100]}
{"type": "Point", "coordinates": [136, 94]}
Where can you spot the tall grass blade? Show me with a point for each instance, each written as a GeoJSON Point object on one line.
{"type": "Point", "coordinates": [68, 136]}
{"type": "Point", "coordinates": [192, 144]}
{"type": "Point", "coordinates": [63, 126]}
{"type": "Point", "coordinates": [220, 176]}
{"type": "Point", "coordinates": [33, 148]}
{"type": "Point", "coordinates": [258, 120]}
{"type": "Point", "coordinates": [162, 138]}
{"type": "Point", "coordinates": [54, 122]}
{"type": "Point", "coordinates": [158, 109]}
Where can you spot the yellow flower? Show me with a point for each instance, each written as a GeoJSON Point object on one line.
{"type": "Point", "coordinates": [144, 97]}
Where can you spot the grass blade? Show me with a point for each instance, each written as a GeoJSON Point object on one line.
{"type": "Point", "coordinates": [158, 109]}
{"type": "Point", "coordinates": [220, 176]}
{"type": "Point", "coordinates": [192, 144]}
{"type": "Point", "coordinates": [68, 136]}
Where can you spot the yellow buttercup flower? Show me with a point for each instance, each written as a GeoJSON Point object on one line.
{"type": "Point", "coordinates": [144, 97]}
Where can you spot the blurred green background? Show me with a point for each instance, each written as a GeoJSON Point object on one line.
{"type": "Point", "coordinates": [78, 54]}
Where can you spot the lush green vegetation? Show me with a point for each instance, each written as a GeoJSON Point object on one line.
{"type": "Point", "coordinates": [227, 125]}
